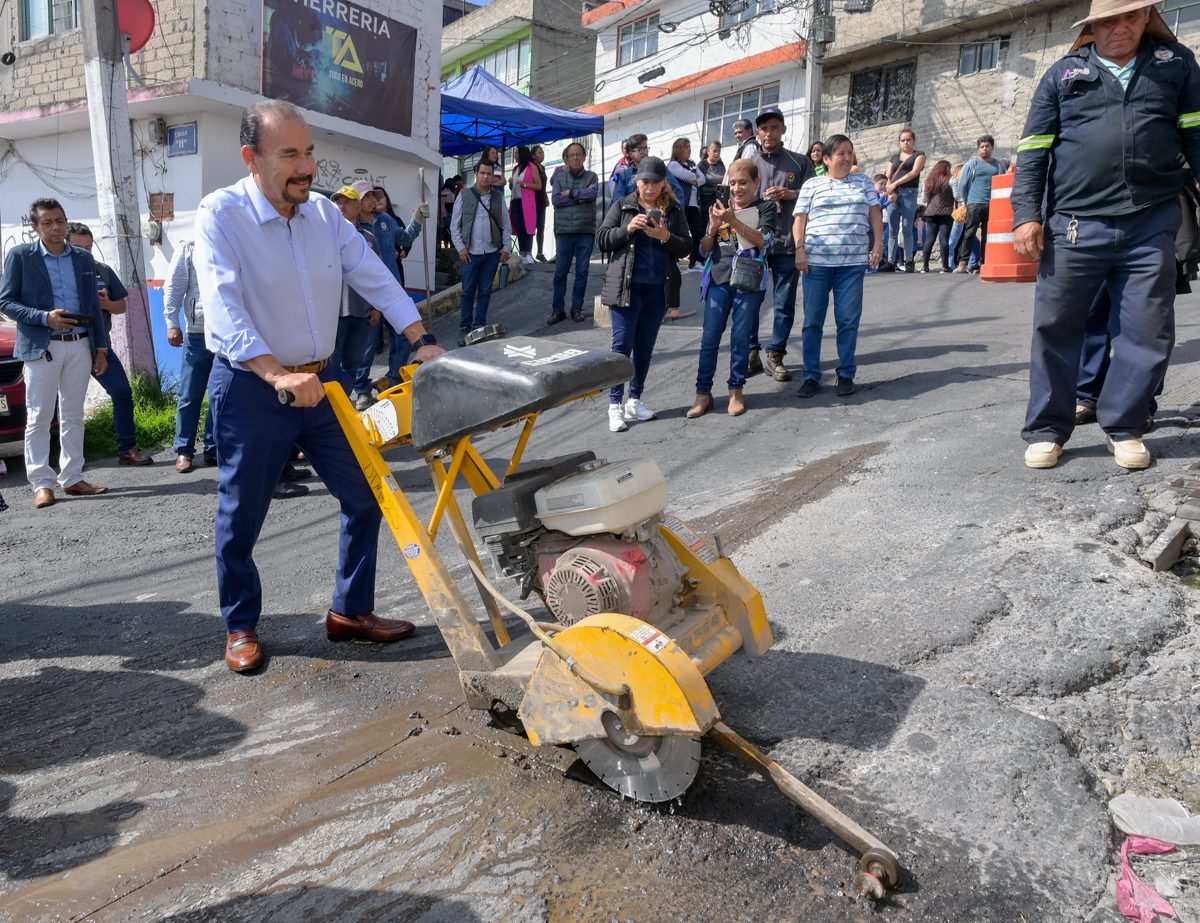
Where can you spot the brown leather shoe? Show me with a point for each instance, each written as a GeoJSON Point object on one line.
{"type": "Point", "coordinates": [369, 627]}
{"type": "Point", "coordinates": [84, 489]}
{"type": "Point", "coordinates": [243, 653]}
{"type": "Point", "coordinates": [134, 457]}
{"type": "Point", "coordinates": [737, 406]}
{"type": "Point", "coordinates": [210, 458]}
{"type": "Point", "coordinates": [183, 464]}
{"type": "Point", "coordinates": [42, 498]}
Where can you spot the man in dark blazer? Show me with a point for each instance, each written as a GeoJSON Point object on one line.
{"type": "Point", "coordinates": [49, 289]}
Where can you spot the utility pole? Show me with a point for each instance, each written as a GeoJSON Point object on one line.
{"type": "Point", "coordinates": [116, 189]}
{"type": "Point", "coordinates": [820, 34]}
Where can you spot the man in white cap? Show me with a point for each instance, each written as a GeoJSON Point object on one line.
{"type": "Point", "coordinates": [1112, 137]}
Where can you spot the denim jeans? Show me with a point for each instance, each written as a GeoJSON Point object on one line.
{"type": "Point", "coordinates": [634, 333]}
{"type": "Point", "coordinates": [956, 234]}
{"type": "Point", "coordinates": [116, 383]}
{"type": "Point", "coordinates": [846, 284]}
{"type": "Point", "coordinates": [352, 348]}
{"type": "Point", "coordinates": [478, 276]}
{"type": "Point", "coordinates": [785, 280]}
{"type": "Point", "coordinates": [1134, 257]}
{"type": "Point", "coordinates": [577, 247]}
{"type": "Point", "coordinates": [903, 212]}
{"type": "Point", "coordinates": [722, 301]}
{"type": "Point", "coordinates": [193, 383]}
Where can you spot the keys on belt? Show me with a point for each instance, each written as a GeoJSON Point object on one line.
{"type": "Point", "coordinates": [309, 368]}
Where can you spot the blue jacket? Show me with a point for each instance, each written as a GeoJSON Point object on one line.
{"type": "Point", "coordinates": [1091, 148]}
{"type": "Point", "coordinates": [26, 297]}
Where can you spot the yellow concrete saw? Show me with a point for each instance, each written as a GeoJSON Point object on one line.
{"type": "Point", "coordinates": [643, 607]}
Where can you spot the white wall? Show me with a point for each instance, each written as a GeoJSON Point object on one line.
{"type": "Point", "coordinates": [62, 168]}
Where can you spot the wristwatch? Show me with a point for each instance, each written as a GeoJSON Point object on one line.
{"type": "Point", "coordinates": [426, 339]}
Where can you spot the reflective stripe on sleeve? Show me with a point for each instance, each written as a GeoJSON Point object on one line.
{"type": "Point", "coordinates": [1041, 142]}
{"type": "Point", "coordinates": [1189, 120]}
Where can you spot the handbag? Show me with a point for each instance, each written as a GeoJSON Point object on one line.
{"type": "Point", "coordinates": [747, 273]}
{"type": "Point", "coordinates": [960, 214]}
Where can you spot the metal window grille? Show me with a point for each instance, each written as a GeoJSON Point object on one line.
{"type": "Point", "coordinates": [881, 96]}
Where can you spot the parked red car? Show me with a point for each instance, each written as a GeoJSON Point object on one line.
{"type": "Point", "coordinates": [12, 392]}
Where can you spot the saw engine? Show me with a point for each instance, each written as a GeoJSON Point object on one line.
{"type": "Point", "coordinates": [583, 534]}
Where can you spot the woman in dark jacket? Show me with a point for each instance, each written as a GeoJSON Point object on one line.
{"type": "Point", "coordinates": [643, 234]}
{"type": "Point", "coordinates": [939, 204]}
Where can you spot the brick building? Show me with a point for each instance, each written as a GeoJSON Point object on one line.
{"type": "Point", "coordinates": [201, 67]}
{"type": "Point", "coordinates": [951, 72]}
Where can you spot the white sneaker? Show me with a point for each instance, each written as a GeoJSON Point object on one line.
{"type": "Point", "coordinates": [1129, 453]}
{"type": "Point", "coordinates": [527, 260]}
{"type": "Point", "coordinates": [1042, 454]}
{"type": "Point", "coordinates": [636, 411]}
{"type": "Point", "coordinates": [616, 419]}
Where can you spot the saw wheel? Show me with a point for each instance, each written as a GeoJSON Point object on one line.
{"type": "Point", "coordinates": [653, 769]}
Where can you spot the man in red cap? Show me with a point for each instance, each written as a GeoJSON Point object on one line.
{"type": "Point", "coordinates": [1112, 137]}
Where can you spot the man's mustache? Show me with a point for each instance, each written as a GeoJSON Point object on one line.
{"type": "Point", "coordinates": [301, 179]}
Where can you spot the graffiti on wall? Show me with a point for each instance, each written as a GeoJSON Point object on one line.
{"type": "Point", "coordinates": [331, 175]}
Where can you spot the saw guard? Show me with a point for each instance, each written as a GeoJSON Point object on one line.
{"type": "Point", "coordinates": [668, 694]}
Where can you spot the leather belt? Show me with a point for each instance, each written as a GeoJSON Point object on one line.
{"type": "Point", "coordinates": [309, 368]}
{"type": "Point", "coordinates": [68, 337]}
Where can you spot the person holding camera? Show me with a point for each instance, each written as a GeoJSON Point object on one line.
{"type": "Point", "coordinates": [643, 234]}
{"type": "Point", "coordinates": [741, 225]}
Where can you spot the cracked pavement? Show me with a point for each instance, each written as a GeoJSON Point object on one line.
{"type": "Point", "coordinates": [969, 660]}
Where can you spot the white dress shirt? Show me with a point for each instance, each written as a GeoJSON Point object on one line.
{"type": "Point", "coordinates": [271, 286]}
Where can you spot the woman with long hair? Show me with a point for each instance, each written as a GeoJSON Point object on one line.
{"type": "Point", "coordinates": [816, 153]}
{"type": "Point", "coordinates": [739, 230]}
{"type": "Point", "coordinates": [939, 204]}
{"type": "Point", "coordinates": [543, 201]}
{"type": "Point", "coordinates": [525, 183]}
{"type": "Point", "coordinates": [643, 234]}
{"type": "Point", "coordinates": [690, 178]}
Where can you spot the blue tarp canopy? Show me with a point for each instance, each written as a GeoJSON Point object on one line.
{"type": "Point", "coordinates": [478, 110]}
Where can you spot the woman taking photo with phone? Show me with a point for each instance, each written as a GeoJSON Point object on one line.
{"type": "Point", "coordinates": [642, 234]}
{"type": "Point", "coordinates": [734, 282]}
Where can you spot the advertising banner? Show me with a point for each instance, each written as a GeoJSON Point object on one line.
{"type": "Point", "coordinates": [339, 58]}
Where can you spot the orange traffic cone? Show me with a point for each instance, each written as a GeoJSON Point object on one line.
{"type": "Point", "coordinates": [1001, 261]}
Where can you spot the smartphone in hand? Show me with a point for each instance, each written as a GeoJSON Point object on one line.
{"type": "Point", "coordinates": [655, 215]}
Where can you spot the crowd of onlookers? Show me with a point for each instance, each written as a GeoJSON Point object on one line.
{"type": "Point", "coordinates": [750, 217]}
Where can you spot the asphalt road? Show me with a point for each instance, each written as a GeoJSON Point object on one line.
{"type": "Point", "coordinates": [969, 660]}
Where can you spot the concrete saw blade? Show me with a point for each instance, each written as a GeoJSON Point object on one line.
{"type": "Point", "coordinates": [651, 769]}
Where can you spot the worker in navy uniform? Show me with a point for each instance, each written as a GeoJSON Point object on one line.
{"type": "Point", "coordinates": [270, 262]}
{"type": "Point", "coordinates": [1112, 137]}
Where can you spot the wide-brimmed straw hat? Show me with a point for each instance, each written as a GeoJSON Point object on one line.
{"type": "Point", "coordinates": [1102, 9]}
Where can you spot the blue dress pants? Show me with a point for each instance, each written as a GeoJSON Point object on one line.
{"type": "Point", "coordinates": [1134, 256]}
{"type": "Point", "coordinates": [634, 333]}
{"type": "Point", "coordinates": [785, 282]}
{"type": "Point", "coordinates": [193, 382]}
{"type": "Point", "coordinates": [255, 437]}
{"type": "Point", "coordinates": [116, 383]}
{"type": "Point", "coordinates": [722, 301]}
{"type": "Point", "coordinates": [353, 349]}
{"type": "Point", "coordinates": [477, 278]}
{"type": "Point", "coordinates": [568, 247]}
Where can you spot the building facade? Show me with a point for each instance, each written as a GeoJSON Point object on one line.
{"type": "Point", "coordinates": [952, 74]}
{"type": "Point", "coordinates": [675, 68]}
{"type": "Point", "coordinates": [205, 62]}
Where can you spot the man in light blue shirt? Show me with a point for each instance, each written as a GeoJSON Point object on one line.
{"type": "Point", "coordinates": [270, 263]}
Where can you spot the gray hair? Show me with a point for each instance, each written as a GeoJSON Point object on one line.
{"type": "Point", "coordinates": [256, 117]}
